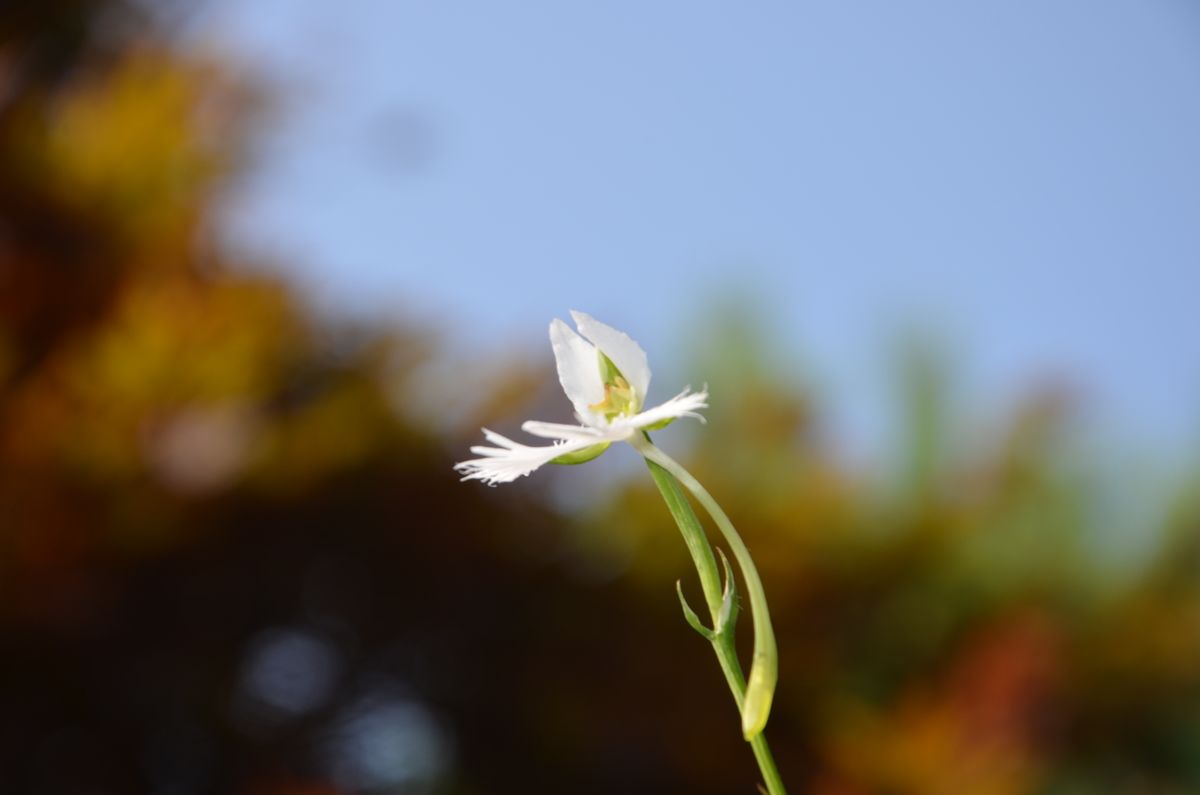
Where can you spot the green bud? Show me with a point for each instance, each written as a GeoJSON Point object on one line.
{"type": "Point", "coordinates": [760, 691]}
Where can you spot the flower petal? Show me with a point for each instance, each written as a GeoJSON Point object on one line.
{"type": "Point", "coordinates": [555, 430]}
{"type": "Point", "coordinates": [685, 404]}
{"type": "Point", "coordinates": [618, 346]}
{"type": "Point", "coordinates": [578, 368]}
{"type": "Point", "coordinates": [511, 460]}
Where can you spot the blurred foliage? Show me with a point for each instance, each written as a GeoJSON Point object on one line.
{"type": "Point", "coordinates": [234, 558]}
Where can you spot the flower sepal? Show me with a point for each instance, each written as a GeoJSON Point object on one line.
{"type": "Point", "coordinates": [582, 456]}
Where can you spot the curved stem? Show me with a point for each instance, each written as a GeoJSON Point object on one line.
{"type": "Point", "coordinates": [693, 536]}
{"type": "Point", "coordinates": [706, 568]}
{"type": "Point", "coordinates": [764, 666]}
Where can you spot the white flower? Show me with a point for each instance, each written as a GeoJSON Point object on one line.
{"type": "Point", "coordinates": [605, 376]}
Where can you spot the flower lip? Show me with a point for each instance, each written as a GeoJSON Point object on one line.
{"type": "Point", "coordinates": [510, 460]}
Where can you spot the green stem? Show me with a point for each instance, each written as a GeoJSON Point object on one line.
{"type": "Point", "coordinates": [666, 473]}
{"type": "Point", "coordinates": [764, 667]}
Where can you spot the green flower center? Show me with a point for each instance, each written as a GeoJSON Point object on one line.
{"type": "Point", "coordinates": [619, 397]}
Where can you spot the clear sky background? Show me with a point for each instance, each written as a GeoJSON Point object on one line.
{"type": "Point", "coordinates": [1021, 177]}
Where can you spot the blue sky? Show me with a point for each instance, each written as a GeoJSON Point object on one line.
{"type": "Point", "coordinates": [1022, 178]}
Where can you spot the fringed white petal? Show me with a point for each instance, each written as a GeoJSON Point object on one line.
{"type": "Point", "coordinates": [618, 346]}
{"type": "Point", "coordinates": [685, 404]}
{"type": "Point", "coordinates": [555, 430]}
{"type": "Point", "coordinates": [511, 460]}
{"type": "Point", "coordinates": [578, 367]}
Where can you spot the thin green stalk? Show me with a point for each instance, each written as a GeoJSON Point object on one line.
{"type": "Point", "coordinates": [721, 601]}
{"type": "Point", "coordinates": [764, 667]}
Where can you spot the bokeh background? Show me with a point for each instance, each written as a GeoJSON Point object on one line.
{"type": "Point", "coordinates": [266, 268]}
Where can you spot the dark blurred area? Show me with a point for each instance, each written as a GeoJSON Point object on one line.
{"type": "Point", "coordinates": [234, 557]}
